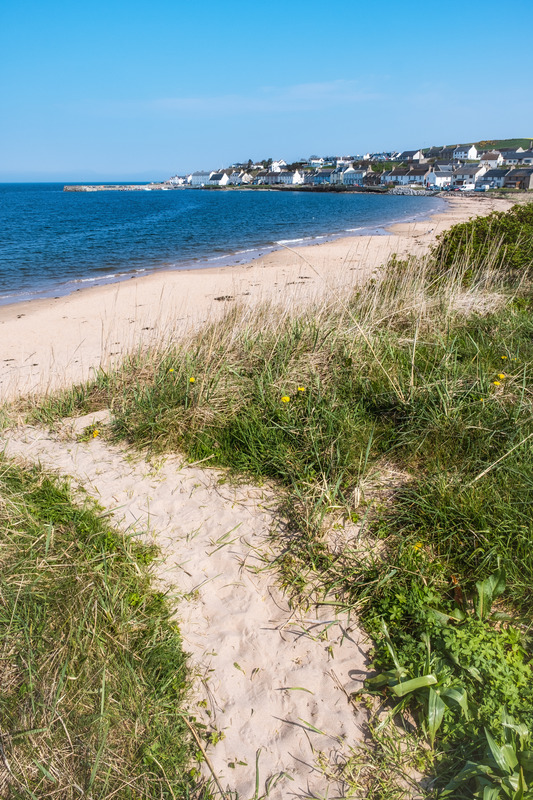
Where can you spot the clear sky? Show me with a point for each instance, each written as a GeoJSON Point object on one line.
{"type": "Point", "coordinates": [142, 89]}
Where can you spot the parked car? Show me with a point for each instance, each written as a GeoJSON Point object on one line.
{"type": "Point", "coordinates": [467, 187]}
{"type": "Point", "coordinates": [482, 187]}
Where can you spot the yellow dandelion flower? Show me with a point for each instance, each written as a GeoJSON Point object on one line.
{"type": "Point", "coordinates": [285, 399]}
{"type": "Point", "coordinates": [501, 376]}
{"type": "Point", "coordinates": [301, 388]}
{"type": "Point", "coordinates": [504, 357]}
{"type": "Point", "coordinates": [192, 380]}
{"type": "Point", "coordinates": [417, 546]}
{"type": "Point", "coordinates": [171, 369]}
{"type": "Point", "coordinates": [496, 383]}
{"type": "Point", "coordinates": [481, 399]}
{"type": "Point", "coordinates": [95, 433]}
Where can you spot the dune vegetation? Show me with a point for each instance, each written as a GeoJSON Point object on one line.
{"type": "Point", "coordinates": [401, 415]}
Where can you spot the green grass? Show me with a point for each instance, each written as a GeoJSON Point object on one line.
{"type": "Point", "coordinates": [402, 376]}
{"type": "Point", "coordinates": [92, 670]}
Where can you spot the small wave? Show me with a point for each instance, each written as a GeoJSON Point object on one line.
{"type": "Point", "coordinates": [97, 278]}
{"type": "Point", "coordinates": [294, 241]}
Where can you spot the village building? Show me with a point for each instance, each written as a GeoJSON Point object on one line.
{"type": "Point", "coordinates": [399, 175]}
{"type": "Point", "coordinates": [439, 179]}
{"type": "Point", "coordinates": [354, 177]}
{"type": "Point", "coordinates": [521, 178]}
{"type": "Point", "coordinates": [322, 176]}
{"type": "Point", "coordinates": [492, 159]}
{"type": "Point", "coordinates": [411, 155]}
{"type": "Point", "coordinates": [465, 152]}
{"type": "Point", "coordinates": [218, 179]}
{"type": "Point", "coordinates": [200, 178]}
{"type": "Point", "coordinates": [467, 174]}
{"type": "Point", "coordinates": [493, 178]}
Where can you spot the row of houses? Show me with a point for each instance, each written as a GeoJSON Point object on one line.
{"type": "Point", "coordinates": [437, 168]}
{"type": "Point", "coordinates": [448, 176]}
{"type": "Point", "coordinates": [469, 152]}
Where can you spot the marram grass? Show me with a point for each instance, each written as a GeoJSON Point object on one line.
{"type": "Point", "coordinates": [423, 373]}
{"type": "Point", "coordinates": [92, 673]}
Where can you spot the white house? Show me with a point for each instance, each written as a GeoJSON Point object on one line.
{"type": "Point", "coordinates": [492, 159]}
{"type": "Point", "coordinates": [286, 177]}
{"type": "Point", "coordinates": [439, 179]}
{"type": "Point", "coordinates": [218, 179]}
{"type": "Point", "coordinates": [399, 176]}
{"type": "Point", "coordinates": [200, 178]}
{"type": "Point", "coordinates": [336, 175]}
{"type": "Point", "coordinates": [235, 179]}
{"type": "Point", "coordinates": [465, 152]}
{"type": "Point", "coordinates": [354, 177]}
{"type": "Point", "coordinates": [411, 155]}
{"type": "Point", "coordinates": [468, 173]}
{"type": "Point", "coordinates": [277, 166]}
{"type": "Point", "coordinates": [315, 161]}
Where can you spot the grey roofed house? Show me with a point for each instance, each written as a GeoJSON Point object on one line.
{"type": "Point", "coordinates": [497, 172]}
{"type": "Point", "coordinates": [399, 171]}
{"type": "Point", "coordinates": [521, 178]}
{"type": "Point", "coordinates": [467, 169]}
{"type": "Point", "coordinates": [217, 176]}
{"type": "Point", "coordinates": [409, 155]}
{"type": "Point", "coordinates": [443, 166]}
{"type": "Point", "coordinates": [421, 170]}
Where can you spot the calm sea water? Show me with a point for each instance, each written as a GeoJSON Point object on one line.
{"type": "Point", "coordinates": [54, 242]}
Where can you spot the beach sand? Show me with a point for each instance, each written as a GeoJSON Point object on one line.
{"type": "Point", "coordinates": [48, 344]}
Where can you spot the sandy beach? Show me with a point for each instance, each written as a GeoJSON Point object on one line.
{"type": "Point", "coordinates": [47, 344]}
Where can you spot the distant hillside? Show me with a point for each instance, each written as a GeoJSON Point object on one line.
{"type": "Point", "coordinates": [496, 144]}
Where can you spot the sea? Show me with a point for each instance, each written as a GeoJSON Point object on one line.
{"type": "Point", "coordinates": [53, 243]}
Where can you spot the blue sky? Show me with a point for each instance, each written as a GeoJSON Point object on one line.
{"type": "Point", "coordinates": [116, 89]}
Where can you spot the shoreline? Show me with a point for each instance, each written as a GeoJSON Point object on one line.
{"type": "Point", "coordinates": [231, 258]}
{"type": "Point", "coordinates": [51, 343]}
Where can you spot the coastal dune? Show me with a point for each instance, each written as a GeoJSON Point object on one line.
{"type": "Point", "coordinates": [49, 344]}
{"type": "Point", "coordinates": [273, 683]}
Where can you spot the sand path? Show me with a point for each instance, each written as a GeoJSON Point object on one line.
{"type": "Point", "coordinates": [265, 676]}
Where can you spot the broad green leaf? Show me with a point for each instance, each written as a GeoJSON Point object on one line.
{"type": "Point", "coordinates": [378, 681]}
{"type": "Point", "coordinates": [469, 771]}
{"type": "Point", "coordinates": [401, 689]}
{"type": "Point", "coordinates": [491, 793]}
{"type": "Point", "coordinates": [525, 759]}
{"type": "Point", "coordinates": [509, 753]}
{"type": "Point", "coordinates": [436, 710]}
{"type": "Point", "coordinates": [460, 697]}
{"type": "Point", "coordinates": [487, 591]}
{"type": "Point", "coordinates": [497, 753]}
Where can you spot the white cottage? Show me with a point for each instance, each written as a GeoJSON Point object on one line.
{"type": "Point", "coordinates": [465, 152]}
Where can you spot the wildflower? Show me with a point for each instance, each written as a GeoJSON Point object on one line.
{"type": "Point", "coordinates": [285, 399]}
{"type": "Point", "coordinates": [417, 546]}
{"type": "Point", "coordinates": [192, 380]}
{"type": "Point", "coordinates": [171, 369]}
{"type": "Point", "coordinates": [95, 433]}
{"type": "Point", "coordinates": [496, 383]}
{"type": "Point", "coordinates": [481, 399]}
{"type": "Point", "coordinates": [501, 376]}
{"type": "Point", "coordinates": [504, 357]}
{"type": "Point", "coordinates": [301, 388]}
